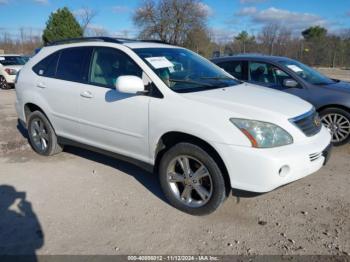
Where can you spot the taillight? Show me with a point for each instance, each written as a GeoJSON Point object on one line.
{"type": "Point", "coordinates": [10, 71]}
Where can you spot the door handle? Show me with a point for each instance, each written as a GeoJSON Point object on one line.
{"type": "Point", "coordinates": [86, 94]}
{"type": "Point", "coordinates": [41, 85]}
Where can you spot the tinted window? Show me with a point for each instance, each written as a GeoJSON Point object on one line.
{"type": "Point", "coordinates": [233, 67]}
{"type": "Point", "coordinates": [267, 74]}
{"type": "Point", "coordinates": [12, 60]}
{"type": "Point", "coordinates": [47, 66]}
{"type": "Point", "coordinates": [71, 64]}
{"type": "Point", "coordinates": [108, 64]}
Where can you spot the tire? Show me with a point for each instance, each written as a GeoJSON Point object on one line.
{"type": "Point", "coordinates": [337, 120]}
{"type": "Point", "coordinates": [196, 193]}
{"type": "Point", "coordinates": [3, 83]}
{"type": "Point", "coordinates": [40, 130]}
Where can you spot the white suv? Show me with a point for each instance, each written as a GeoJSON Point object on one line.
{"type": "Point", "coordinates": [9, 67]}
{"type": "Point", "coordinates": [203, 131]}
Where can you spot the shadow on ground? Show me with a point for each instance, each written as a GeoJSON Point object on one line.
{"type": "Point", "coordinates": [20, 229]}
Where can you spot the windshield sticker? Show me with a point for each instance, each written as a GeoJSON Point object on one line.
{"type": "Point", "coordinates": [159, 62]}
{"type": "Point", "coordinates": [295, 68]}
{"type": "Point", "coordinates": [2, 58]}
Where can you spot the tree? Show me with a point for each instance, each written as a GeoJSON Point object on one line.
{"type": "Point", "coordinates": [199, 40]}
{"type": "Point", "coordinates": [244, 38]}
{"type": "Point", "coordinates": [314, 32]}
{"type": "Point", "coordinates": [85, 16]}
{"type": "Point", "coordinates": [269, 36]}
{"type": "Point", "coordinates": [61, 25]}
{"type": "Point", "coordinates": [170, 20]}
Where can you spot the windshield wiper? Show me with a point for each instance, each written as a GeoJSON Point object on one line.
{"type": "Point", "coordinates": [190, 82]}
{"type": "Point", "coordinates": [218, 78]}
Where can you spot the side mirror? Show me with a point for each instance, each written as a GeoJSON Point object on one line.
{"type": "Point", "coordinates": [129, 84]}
{"type": "Point", "coordinates": [290, 83]}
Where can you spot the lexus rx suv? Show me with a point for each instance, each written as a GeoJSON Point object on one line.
{"type": "Point", "coordinates": [9, 67]}
{"type": "Point", "coordinates": [201, 130]}
{"type": "Point", "coordinates": [330, 97]}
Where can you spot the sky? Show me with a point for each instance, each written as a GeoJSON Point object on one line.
{"type": "Point", "coordinates": [226, 17]}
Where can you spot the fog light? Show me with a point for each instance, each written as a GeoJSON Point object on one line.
{"type": "Point", "coordinates": [284, 170]}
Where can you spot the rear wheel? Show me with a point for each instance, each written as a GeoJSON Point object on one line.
{"type": "Point", "coordinates": [338, 123]}
{"type": "Point", "coordinates": [3, 83]}
{"type": "Point", "coordinates": [191, 180]}
{"type": "Point", "coordinates": [42, 136]}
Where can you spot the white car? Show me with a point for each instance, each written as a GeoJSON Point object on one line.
{"type": "Point", "coordinates": [203, 131]}
{"type": "Point", "coordinates": [9, 67]}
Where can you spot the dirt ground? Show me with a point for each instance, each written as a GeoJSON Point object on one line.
{"type": "Point", "coordinates": [79, 202]}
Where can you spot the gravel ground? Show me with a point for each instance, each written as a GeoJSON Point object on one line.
{"type": "Point", "coordinates": [79, 202]}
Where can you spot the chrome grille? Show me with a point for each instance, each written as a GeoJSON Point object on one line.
{"type": "Point", "coordinates": [309, 123]}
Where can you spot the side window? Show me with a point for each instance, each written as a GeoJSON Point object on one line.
{"type": "Point", "coordinates": [234, 68]}
{"type": "Point", "coordinates": [71, 64]}
{"type": "Point", "coordinates": [108, 64]}
{"type": "Point", "coordinates": [267, 74]}
{"type": "Point", "coordinates": [47, 66]}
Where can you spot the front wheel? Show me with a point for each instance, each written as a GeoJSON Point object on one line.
{"type": "Point", "coordinates": [191, 180]}
{"type": "Point", "coordinates": [3, 83]}
{"type": "Point", "coordinates": [338, 123]}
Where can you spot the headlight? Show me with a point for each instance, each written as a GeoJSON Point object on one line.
{"type": "Point", "coordinates": [263, 134]}
{"type": "Point", "coordinates": [10, 71]}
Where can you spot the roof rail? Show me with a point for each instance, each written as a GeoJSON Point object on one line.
{"type": "Point", "coordinates": [102, 39]}
{"type": "Point", "coordinates": [85, 39]}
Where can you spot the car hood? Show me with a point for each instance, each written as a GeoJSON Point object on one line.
{"type": "Point", "coordinates": [252, 101]}
{"type": "Point", "coordinates": [340, 85]}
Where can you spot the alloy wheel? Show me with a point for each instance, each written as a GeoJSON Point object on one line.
{"type": "Point", "coordinates": [3, 83]}
{"type": "Point", "coordinates": [338, 125]}
{"type": "Point", "coordinates": [190, 181]}
{"type": "Point", "coordinates": [39, 134]}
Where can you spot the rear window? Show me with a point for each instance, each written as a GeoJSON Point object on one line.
{"type": "Point", "coordinates": [71, 64]}
{"type": "Point", "coordinates": [12, 60]}
{"type": "Point", "coordinates": [233, 67]}
{"type": "Point", "coordinates": [47, 66]}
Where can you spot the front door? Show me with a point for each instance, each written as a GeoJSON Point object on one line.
{"type": "Point", "coordinates": [111, 120]}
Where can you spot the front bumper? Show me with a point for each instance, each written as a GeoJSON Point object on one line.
{"type": "Point", "coordinates": [262, 170]}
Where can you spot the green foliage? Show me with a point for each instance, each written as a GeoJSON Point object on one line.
{"type": "Point", "coordinates": [61, 25]}
{"type": "Point", "coordinates": [314, 33]}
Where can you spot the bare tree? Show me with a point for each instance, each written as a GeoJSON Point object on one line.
{"type": "Point", "coordinates": [170, 20]}
{"type": "Point", "coordinates": [269, 35]}
{"type": "Point", "coordinates": [85, 15]}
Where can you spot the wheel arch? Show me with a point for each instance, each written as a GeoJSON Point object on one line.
{"type": "Point", "coordinates": [30, 108]}
{"type": "Point", "coordinates": [172, 138]}
{"type": "Point", "coordinates": [338, 106]}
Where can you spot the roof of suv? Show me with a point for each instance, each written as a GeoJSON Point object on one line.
{"type": "Point", "coordinates": [131, 43]}
{"type": "Point", "coordinates": [259, 57]}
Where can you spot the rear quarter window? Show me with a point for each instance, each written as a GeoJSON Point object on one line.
{"type": "Point", "coordinates": [47, 66]}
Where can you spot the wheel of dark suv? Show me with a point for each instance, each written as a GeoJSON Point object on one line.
{"type": "Point", "coordinates": [42, 136]}
{"type": "Point", "coordinates": [3, 83]}
{"type": "Point", "coordinates": [338, 123]}
{"type": "Point", "coordinates": [191, 180]}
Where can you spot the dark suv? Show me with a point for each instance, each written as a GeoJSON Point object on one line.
{"type": "Point", "coordinates": [331, 97]}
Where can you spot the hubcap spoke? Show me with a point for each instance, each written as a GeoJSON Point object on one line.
{"type": "Point", "coordinates": [185, 165]}
{"type": "Point", "coordinates": [202, 192]}
{"type": "Point", "coordinates": [201, 172]}
{"type": "Point", "coordinates": [186, 194]}
{"type": "Point", "coordinates": [175, 177]}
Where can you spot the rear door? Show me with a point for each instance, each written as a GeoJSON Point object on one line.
{"type": "Point", "coordinates": [61, 86]}
{"type": "Point", "coordinates": [234, 68]}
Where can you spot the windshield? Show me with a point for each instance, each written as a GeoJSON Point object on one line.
{"type": "Point", "coordinates": [12, 60]}
{"type": "Point", "coordinates": [307, 73]}
{"type": "Point", "coordinates": [184, 71]}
